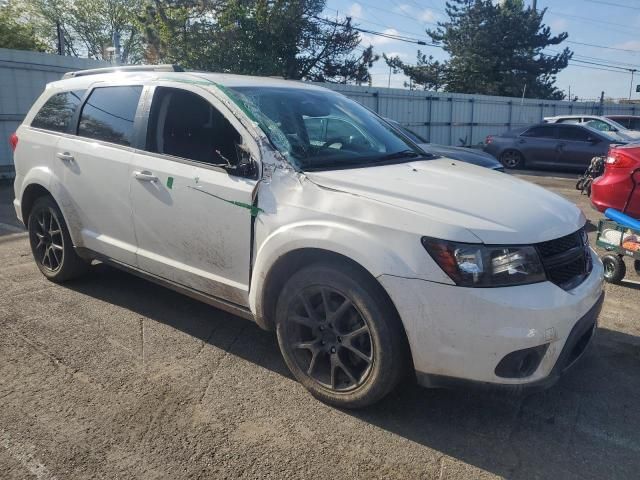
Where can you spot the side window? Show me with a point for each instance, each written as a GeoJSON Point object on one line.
{"type": "Point", "coordinates": [570, 120]}
{"type": "Point", "coordinates": [540, 131]}
{"type": "Point", "coordinates": [183, 124]}
{"type": "Point", "coordinates": [58, 111]}
{"type": "Point", "coordinates": [108, 114]}
{"type": "Point", "coordinates": [575, 134]}
{"type": "Point", "coordinates": [600, 125]}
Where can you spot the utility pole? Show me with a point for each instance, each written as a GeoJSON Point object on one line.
{"type": "Point", "coordinates": [601, 109]}
{"type": "Point", "coordinates": [535, 4]}
{"type": "Point", "coordinates": [632, 70]}
{"type": "Point", "coordinates": [389, 82]}
{"type": "Point", "coordinates": [60, 37]}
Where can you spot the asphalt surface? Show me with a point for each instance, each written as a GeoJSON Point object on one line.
{"type": "Point", "coordinates": [113, 377]}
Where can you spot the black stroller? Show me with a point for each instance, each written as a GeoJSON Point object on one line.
{"type": "Point", "coordinates": [594, 170]}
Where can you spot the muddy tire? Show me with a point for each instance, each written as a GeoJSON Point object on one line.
{"type": "Point", "coordinates": [51, 244]}
{"type": "Point", "coordinates": [340, 335]}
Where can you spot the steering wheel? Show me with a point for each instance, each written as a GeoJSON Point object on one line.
{"type": "Point", "coordinates": [333, 141]}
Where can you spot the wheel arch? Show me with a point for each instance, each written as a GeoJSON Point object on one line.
{"type": "Point", "coordinates": [289, 263]}
{"type": "Point", "coordinates": [30, 194]}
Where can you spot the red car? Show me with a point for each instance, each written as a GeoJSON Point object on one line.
{"type": "Point", "coordinates": [619, 186]}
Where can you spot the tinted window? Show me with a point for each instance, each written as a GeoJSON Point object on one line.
{"type": "Point", "coordinates": [57, 112]}
{"type": "Point", "coordinates": [541, 131]}
{"type": "Point", "coordinates": [108, 114]}
{"type": "Point", "coordinates": [186, 125]}
{"type": "Point", "coordinates": [574, 133]}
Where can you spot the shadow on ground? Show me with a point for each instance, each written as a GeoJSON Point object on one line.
{"type": "Point", "coordinates": [587, 426]}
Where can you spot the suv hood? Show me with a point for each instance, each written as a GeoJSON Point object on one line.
{"type": "Point", "coordinates": [496, 208]}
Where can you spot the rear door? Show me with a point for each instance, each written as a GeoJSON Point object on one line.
{"type": "Point", "coordinates": [539, 144]}
{"type": "Point", "coordinates": [578, 146]}
{"type": "Point", "coordinates": [192, 209]}
{"type": "Point", "coordinates": [95, 168]}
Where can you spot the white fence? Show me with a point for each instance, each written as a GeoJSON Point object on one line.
{"type": "Point", "coordinates": [461, 119]}
{"type": "Point", "coordinates": [446, 118]}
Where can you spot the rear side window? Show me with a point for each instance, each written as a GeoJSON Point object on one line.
{"type": "Point", "coordinates": [541, 131]}
{"type": "Point", "coordinates": [58, 111]}
{"type": "Point", "coordinates": [109, 113]}
{"type": "Point", "coordinates": [570, 120]}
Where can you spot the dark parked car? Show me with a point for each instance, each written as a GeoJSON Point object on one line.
{"type": "Point", "coordinates": [462, 154]}
{"type": "Point", "coordinates": [551, 145]}
{"type": "Point", "coordinates": [632, 122]}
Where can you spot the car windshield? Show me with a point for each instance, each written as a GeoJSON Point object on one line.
{"type": "Point", "coordinates": [615, 137]}
{"type": "Point", "coordinates": [316, 129]}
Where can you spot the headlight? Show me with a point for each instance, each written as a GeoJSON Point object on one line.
{"type": "Point", "coordinates": [477, 265]}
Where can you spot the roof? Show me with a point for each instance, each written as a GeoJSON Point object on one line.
{"type": "Point", "coordinates": [224, 79]}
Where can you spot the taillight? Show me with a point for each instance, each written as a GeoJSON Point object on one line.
{"type": "Point", "coordinates": [488, 140]}
{"type": "Point", "coordinates": [13, 141]}
{"type": "Point", "coordinates": [618, 159]}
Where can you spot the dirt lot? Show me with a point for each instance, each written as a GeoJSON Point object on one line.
{"type": "Point", "coordinates": [113, 377]}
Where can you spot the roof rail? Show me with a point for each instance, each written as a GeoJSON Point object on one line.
{"type": "Point", "coordinates": [127, 68]}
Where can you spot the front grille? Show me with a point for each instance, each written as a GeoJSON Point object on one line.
{"type": "Point", "coordinates": [566, 260]}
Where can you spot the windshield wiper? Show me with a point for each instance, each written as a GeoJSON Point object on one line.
{"type": "Point", "coordinates": [401, 154]}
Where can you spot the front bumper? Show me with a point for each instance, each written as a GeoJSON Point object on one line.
{"type": "Point", "coordinates": [461, 334]}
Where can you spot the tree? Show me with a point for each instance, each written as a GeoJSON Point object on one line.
{"type": "Point", "coordinates": [427, 73]}
{"type": "Point", "coordinates": [496, 49]}
{"type": "Point", "coordinates": [287, 38]}
{"type": "Point", "coordinates": [16, 32]}
{"type": "Point", "coordinates": [89, 27]}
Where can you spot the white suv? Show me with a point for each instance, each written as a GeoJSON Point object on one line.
{"type": "Point", "coordinates": [369, 257]}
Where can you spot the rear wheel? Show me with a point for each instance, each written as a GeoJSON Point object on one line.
{"type": "Point", "coordinates": [636, 266]}
{"type": "Point", "coordinates": [614, 268]}
{"type": "Point", "coordinates": [51, 244]}
{"type": "Point", "coordinates": [340, 336]}
{"type": "Point", "coordinates": [512, 159]}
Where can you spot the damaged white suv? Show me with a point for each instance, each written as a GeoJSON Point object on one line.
{"type": "Point", "coordinates": [295, 207]}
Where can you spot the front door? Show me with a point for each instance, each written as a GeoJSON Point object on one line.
{"type": "Point", "coordinates": [579, 146]}
{"type": "Point", "coordinates": [192, 214]}
{"type": "Point", "coordinates": [94, 168]}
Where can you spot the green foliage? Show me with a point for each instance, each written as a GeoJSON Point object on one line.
{"type": "Point", "coordinates": [16, 32]}
{"type": "Point", "coordinates": [496, 49]}
{"type": "Point", "coordinates": [88, 26]}
{"type": "Point", "coordinates": [427, 73]}
{"type": "Point", "coordinates": [285, 38]}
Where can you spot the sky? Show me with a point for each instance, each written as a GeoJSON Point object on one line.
{"type": "Point", "coordinates": [614, 24]}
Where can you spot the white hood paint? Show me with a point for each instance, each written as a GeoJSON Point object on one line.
{"type": "Point", "coordinates": [496, 208]}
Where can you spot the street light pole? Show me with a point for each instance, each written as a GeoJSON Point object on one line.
{"type": "Point", "coordinates": [632, 70]}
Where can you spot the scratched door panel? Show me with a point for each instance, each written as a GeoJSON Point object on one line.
{"type": "Point", "coordinates": [193, 226]}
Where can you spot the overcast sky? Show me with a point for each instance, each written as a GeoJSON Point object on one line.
{"type": "Point", "coordinates": [607, 23]}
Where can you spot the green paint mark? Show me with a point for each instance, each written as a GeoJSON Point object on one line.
{"type": "Point", "coordinates": [252, 208]}
{"type": "Point", "coordinates": [170, 183]}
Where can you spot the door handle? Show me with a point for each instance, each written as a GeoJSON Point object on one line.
{"type": "Point", "coordinates": [145, 176]}
{"type": "Point", "coordinates": [65, 156]}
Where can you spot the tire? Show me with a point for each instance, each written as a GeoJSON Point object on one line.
{"type": "Point", "coordinates": [636, 266]}
{"type": "Point", "coordinates": [512, 159]}
{"type": "Point", "coordinates": [580, 184]}
{"type": "Point", "coordinates": [51, 244]}
{"type": "Point", "coordinates": [355, 354]}
{"type": "Point", "coordinates": [614, 268]}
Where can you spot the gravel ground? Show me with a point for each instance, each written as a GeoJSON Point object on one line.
{"type": "Point", "coordinates": [113, 377]}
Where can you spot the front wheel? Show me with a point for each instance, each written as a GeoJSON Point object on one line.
{"type": "Point", "coordinates": [340, 336]}
{"type": "Point", "coordinates": [51, 244]}
{"type": "Point", "coordinates": [614, 268]}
